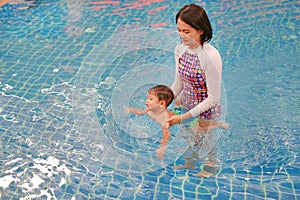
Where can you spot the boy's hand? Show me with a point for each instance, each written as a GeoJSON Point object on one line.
{"type": "Point", "coordinates": [135, 111]}
{"type": "Point", "coordinates": [160, 153]}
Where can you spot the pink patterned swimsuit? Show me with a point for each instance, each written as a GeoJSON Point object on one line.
{"type": "Point", "coordinates": [194, 84]}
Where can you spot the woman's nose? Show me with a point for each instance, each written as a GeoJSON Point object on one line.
{"type": "Point", "coordinates": [181, 34]}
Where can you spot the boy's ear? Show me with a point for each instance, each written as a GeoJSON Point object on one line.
{"type": "Point", "coordinates": [162, 103]}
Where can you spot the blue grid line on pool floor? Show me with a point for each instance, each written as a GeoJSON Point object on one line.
{"type": "Point", "coordinates": [39, 126]}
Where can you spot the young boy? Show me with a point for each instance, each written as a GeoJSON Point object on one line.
{"type": "Point", "coordinates": [158, 99]}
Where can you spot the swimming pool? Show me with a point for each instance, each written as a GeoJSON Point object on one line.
{"type": "Point", "coordinates": [68, 67]}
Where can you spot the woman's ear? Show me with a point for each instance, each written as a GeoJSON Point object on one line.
{"type": "Point", "coordinates": [200, 32]}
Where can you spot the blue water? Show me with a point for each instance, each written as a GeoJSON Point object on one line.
{"type": "Point", "coordinates": [69, 67]}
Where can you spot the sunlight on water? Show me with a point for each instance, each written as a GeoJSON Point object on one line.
{"type": "Point", "coordinates": [69, 68]}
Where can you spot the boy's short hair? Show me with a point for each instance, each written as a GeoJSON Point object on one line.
{"type": "Point", "coordinates": [163, 92]}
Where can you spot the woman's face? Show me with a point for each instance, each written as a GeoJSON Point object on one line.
{"type": "Point", "coordinates": [189, 36]}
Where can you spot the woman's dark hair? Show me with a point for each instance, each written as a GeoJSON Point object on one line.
{"type": "Point", "coordinates": [196, 17]}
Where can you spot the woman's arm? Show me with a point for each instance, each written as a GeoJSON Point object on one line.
{"type": "Point", "coordinates": [177, 85]}
{"type": "Point", "coordinates": [213, 74]}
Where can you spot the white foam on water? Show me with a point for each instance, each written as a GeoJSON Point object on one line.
{"type": "Point", "coordinates": [30, 183]}
{"type": "Point", "coordinates": [13, 161]}
{"type": "Point", "coordinates": [42, 193]}
{"type": "Point", "coordinates": [34, 183]}
{"type": "Point", "coordinates": [7, 87]}
{"type": "Point", "coordinates": [47, 166]}
{"type": "Point", "coordinates": [62, 182]}
{"type": "Point", "coordinates": [12, 170]}
{"type": "Point", "coordinates": [6, 181]}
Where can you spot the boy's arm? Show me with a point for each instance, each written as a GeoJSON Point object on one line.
{"type": "Point", "coordinates": [160, 153]}
{"type": "Point", "coordinates": [166, 137]}
{"type": "Point", "coordinates": [136, 111]}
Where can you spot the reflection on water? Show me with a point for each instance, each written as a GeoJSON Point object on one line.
{"type": "Point", "coordinates": [62, 81]}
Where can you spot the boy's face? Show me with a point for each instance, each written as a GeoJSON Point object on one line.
{"type": "Point", "coordinates": [152, 102]}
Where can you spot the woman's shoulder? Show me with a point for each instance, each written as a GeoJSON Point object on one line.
{"type": "Point", "coordinates": [210, 49]}
{"type": "Point", "coordinates": [210, 53]}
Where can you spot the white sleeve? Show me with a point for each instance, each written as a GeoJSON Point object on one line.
{"type": "Point", "coordinates": [177, 85]}
{"type": "Point", "coordinates": [213, 74]}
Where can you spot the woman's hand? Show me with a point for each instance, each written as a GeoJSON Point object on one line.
{"type": "Point", "coordinates": [174, 119]}
{"type": "Point", "coordinates": [178, 118]}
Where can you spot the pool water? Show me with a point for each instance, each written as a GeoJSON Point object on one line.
{"type": "Point", "coordinates": [68, 69]}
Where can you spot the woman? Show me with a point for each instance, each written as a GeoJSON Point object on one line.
{"type": "Point", "coordinates": [198, 70]}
